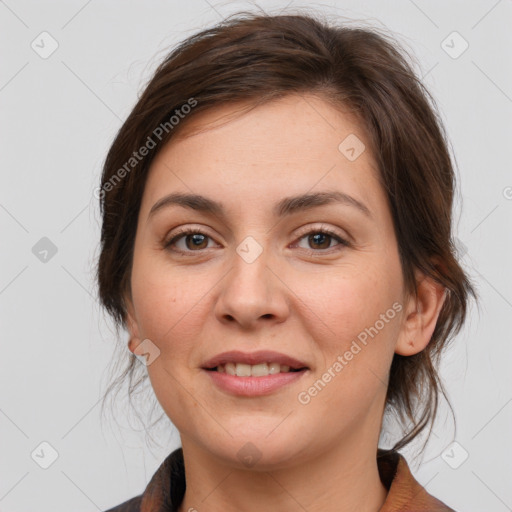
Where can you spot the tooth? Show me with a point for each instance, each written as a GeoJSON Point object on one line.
{"type": "Point", "coordinates": [230, 368]}
{"type": "Point", "coordinates": [259, 370]}
{"type": "Point", "coordinates": [274, 368]}
{"type": "Point", "coordinates": [243, 370]}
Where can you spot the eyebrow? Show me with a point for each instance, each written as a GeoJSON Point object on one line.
{"type": "Point", "coordinates": [285, 207]}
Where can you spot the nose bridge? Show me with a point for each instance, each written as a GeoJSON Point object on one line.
{"type": "Point", "coordinates": [250, 272]}
{"type": "Point", "coordinates": [250, 289]}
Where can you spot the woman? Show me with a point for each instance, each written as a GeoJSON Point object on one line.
{"type": "Point", "coordinates": [277, 241]}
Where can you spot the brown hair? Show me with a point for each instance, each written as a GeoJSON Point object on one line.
{"type": "Point", "coordinates": [254, 58]}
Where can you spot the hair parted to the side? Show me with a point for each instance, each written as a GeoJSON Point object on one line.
{"type": "Point", "coordinates": [254, 58]}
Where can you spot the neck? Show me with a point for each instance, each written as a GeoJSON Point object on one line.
{"type": "Point", "coordinates": [343, 479]}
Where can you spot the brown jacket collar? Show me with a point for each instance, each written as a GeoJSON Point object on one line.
{"type": "Point", "coordinates": [405, 494]}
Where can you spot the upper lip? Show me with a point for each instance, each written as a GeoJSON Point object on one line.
{"type": "Point", "coordinates": [262, 356]}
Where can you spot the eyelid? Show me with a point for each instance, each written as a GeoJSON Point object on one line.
{"type": "Point", "coordinates": [324, 228]}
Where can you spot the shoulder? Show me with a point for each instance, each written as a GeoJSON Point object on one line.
{"type": "Point", "coordinates": [404, 491]}
{"type": "Point", "coordinates": [164, 491]}
{"type": "Point", "coordinates": [132, 505]}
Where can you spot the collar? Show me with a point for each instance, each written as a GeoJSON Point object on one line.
{"type": "Point", "coordinates": [166, 489]}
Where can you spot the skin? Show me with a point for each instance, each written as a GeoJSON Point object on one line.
{"type": "Point", "coordinates": [309, 298]}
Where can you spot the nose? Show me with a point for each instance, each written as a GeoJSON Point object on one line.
{"type": "Point", "coordinates": [252, 293]}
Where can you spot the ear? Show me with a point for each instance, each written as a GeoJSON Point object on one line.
{"type": "Point", "coordinates": [421, 314]}
{"type": "Point", "coordinates": [133, 327]}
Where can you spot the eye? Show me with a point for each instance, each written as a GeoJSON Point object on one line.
{"type": "Point", "coordinates": [193, 238]}
{"type": "Point", "coordinates": [321, 238]}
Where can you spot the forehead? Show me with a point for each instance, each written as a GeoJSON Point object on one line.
{"type": "Point", "coordinates": [295, 144]}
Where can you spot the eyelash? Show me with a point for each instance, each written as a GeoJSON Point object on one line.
{"type": "Point", "coordinates": [191, 231]}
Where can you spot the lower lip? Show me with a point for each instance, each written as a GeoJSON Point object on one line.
{"type": "Point", "coordinates": [253, 386]}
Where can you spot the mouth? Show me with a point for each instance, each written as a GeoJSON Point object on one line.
{"type": "Point", "coordinates": [254, 374]}
{"type": "Point", "coordinates": [254, 364]}
{"type": "Point", "coordinates": [256, 370]}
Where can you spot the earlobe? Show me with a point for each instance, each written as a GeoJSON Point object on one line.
{"type": "Point", "coordinates": [133, 327]}
{"type": "Point", "coordinates": [422, 312]}
{"type": "Point", "coordinates": [132, 344]}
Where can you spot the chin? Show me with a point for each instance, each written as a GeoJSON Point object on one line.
{"type": "Point", "coordinates": [258, 449]}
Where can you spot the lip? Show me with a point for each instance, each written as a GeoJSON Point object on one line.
{"type": "Point", "coordinates": [261, 356]}
{"type": "Point", "coordinates": [253, 386]}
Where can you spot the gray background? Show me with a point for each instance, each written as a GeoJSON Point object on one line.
{"type": "Point", "coordinates": [59, 115]}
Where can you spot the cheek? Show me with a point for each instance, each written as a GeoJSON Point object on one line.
{"type": "Point", "coordinates": [168, 300]}
{"type": "Point", "coordinates": [347, 302]}
{"type": "Point", "coordinates": [354, 332]}
{"type": "Point", "coordinates": [355, 316]}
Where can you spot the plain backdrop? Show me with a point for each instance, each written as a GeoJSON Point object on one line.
{"type": "Point", "coordinates": [70, 73]}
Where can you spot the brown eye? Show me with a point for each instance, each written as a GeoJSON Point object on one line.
{"type": "Point", "coordinates": [319, 240]}
{"type": "Point", "coordinates": [197, 241]}
{"type": "Point", "coordinates": [322, 240]}
{"type": "Point", "coordinates": [194, 240]}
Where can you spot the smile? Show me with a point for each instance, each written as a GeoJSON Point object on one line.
{"type": "Point", "coordinates": [255, 370]}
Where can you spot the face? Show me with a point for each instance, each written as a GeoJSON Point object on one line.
{"type": "Point", "coordinates": [319, 281]}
